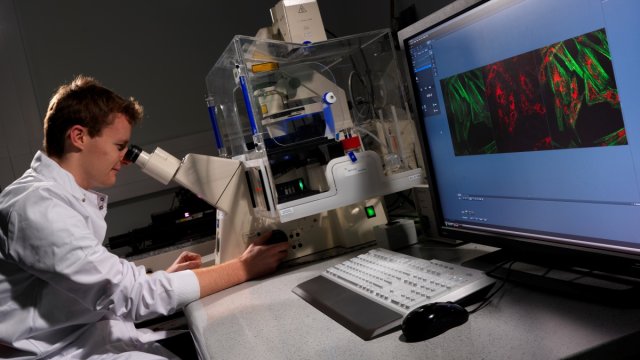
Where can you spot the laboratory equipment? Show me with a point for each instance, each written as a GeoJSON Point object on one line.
{"type": "Point", "coordinates": [309, 137]}
{"type": "Point", "coordinates": [296, 21]}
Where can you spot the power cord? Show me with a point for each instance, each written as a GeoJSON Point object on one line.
{"type": "Point", "coordinates": [487, 300]}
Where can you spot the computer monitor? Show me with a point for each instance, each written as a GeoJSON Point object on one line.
{"type": "Point", "coordinates": [530, 116]}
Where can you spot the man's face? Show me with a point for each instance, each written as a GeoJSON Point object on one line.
{"type": "Point", "coordinates": [102, 156]}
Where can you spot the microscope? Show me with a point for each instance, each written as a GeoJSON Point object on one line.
{"type": "Point", "coordinates": [309, 138]}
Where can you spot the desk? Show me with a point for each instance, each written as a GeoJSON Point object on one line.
{"type": "Point", "coordinates": [263, 319]}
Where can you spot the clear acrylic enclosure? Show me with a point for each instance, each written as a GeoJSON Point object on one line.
{"type": "Point", "coordinates": [302, 105]}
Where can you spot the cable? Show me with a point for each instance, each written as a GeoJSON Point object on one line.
{"type": "Point", "coordinates": [487, 300]}
{"type": "Point", "coordinates": [367, 132]}
{"type": "Point", "coordinates": [355, 103]}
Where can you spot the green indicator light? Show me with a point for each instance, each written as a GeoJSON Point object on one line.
{"type": "Point", "coordinates": [371, 212]}
{"type": "Point", "coordinates": [301, 184]}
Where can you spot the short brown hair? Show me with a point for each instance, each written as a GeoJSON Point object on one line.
{"type": "Point", "coordinates": [84, 102]}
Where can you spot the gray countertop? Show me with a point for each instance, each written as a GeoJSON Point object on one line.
{"type": "Point", "coordinates": [263, 319]}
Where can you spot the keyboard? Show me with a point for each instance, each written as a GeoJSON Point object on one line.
{"type": "Point", "coordinates": [371, 293]}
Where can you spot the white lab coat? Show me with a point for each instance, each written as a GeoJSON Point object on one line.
{"type": "Point", "coordinates": [62, 294]}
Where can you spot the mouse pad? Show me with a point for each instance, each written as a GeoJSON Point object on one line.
{"type": "Point", "coordinates": [364, 317]}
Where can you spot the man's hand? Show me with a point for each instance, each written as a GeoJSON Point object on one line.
{"type": "Point", "coordinates": [186, 260]}
{"type": "Point", "coordinates": [257, 260]}
{"type": "Point", "coordinates": [260, 259]}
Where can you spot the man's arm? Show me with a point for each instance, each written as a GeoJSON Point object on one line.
{"type": "Point", "coordinates": [257, 260]}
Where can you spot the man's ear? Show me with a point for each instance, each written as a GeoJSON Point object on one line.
{"type": "Point", "coordinates": [78, 136]}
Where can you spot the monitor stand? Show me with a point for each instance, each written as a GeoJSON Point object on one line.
{"type": "Point", "coordinates": [560, 278]}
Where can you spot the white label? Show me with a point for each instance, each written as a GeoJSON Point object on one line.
{"type": "Point", "coordinates": [287, 211]}
{"type": "Point", "coordinates": [354, 170]}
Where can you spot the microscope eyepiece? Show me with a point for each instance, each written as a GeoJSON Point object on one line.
{"type": "Point", "coordinates": [132, 153]}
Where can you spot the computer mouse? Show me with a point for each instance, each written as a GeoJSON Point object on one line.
{"type": "Point", "coordinates": [277, 236]}
{"type": "Point", "coordinates": [431, 320]}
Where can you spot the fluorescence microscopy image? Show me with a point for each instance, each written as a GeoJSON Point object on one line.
{"type": "Point", "coordinates": [557, 97]}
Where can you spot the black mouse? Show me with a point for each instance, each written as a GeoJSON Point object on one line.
{"type": "Point", "coordinates": [431, 320]}
{"type": "Point", "coordinates": [277, 236]}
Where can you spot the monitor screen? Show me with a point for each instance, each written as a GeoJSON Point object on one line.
{"type": "Point", "coordinates": [530, 111]}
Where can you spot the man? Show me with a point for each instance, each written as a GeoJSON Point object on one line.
{"type": "Point", "coordinates": [62, 294]}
